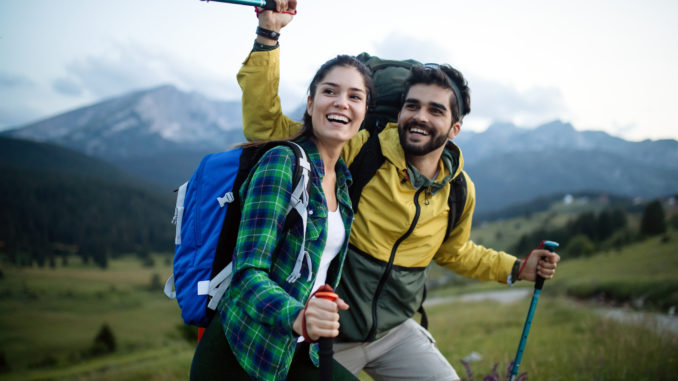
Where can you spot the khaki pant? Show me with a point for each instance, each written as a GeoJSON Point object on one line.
{"type": "Point", "coordinates": [407, 352]}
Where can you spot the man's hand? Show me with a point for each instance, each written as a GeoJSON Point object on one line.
{"type": "Point", "coordinates": [539, 261]}
{"type": "Point", "coordinates": [322, 318]}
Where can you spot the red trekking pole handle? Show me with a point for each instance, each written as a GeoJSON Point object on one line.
{"type": "Point", "coordinates": [325, 351]}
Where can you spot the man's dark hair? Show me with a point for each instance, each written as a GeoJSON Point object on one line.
{"type": "Point", "coordinates": [441, 75]}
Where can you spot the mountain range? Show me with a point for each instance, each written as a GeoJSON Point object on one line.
{"type": "Point", "coordinates": [160, 135]}
{"type": "Point", "coordinates": [512, 165]}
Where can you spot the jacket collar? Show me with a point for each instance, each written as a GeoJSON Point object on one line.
{"type": "Point", "coordinates": [450, 166]}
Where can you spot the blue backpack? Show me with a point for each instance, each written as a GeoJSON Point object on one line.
{"type": "Point", "coordinates": [207, 217]}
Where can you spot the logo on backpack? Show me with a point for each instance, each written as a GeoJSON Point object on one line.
{"type": "Point", "coordinates": [207, 218]}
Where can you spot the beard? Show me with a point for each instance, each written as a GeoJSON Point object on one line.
{"type": "Point", "coordinates": [436, 140]}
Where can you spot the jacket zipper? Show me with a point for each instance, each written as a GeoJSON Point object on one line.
{"type": "Point", "coordinates": [389, 266]}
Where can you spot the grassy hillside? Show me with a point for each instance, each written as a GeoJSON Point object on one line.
{"type": "Point", "coordinates": [569, 340]}
{"type": "Point", "coordinates": [50, 317]}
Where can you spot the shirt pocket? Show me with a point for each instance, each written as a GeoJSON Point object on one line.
{"type": "Point", "coordinates": [315, 225]}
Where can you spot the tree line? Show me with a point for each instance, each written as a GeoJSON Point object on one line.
{"type": "Point", "coordinates": [45, 216]}
{"type": "Point", "coordinates": [591, 231]}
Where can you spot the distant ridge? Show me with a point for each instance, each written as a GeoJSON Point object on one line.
{"type": "Point", "coordinates": [55, 198]}
{"type": "Point", "coordinates": [30, 156]}
{"type": "Point", "coordinates": [160, 134]}
{"type": "Point", "coordinates": [502, 138]}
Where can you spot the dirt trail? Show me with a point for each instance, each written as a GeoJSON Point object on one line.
{"type": "Point", "coordinates": [660, 322]}
{"type": "Point", "coordinates": [502, 296]}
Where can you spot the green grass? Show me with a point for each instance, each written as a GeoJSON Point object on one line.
{"type": "Point", "coordinates": [644, 268]}
{"type": "Point", "coordinates": [49, 318]}
{"type": "Point", "coordinates": [566, 342]}
{"type": "Point", "coordinates": [645, 271]}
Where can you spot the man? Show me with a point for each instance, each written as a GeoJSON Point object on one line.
{"type": "Point", "coordinates": [402, 214]}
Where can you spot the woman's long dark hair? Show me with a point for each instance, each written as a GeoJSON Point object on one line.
{"type": "Point", "coordinates": [340, 60]}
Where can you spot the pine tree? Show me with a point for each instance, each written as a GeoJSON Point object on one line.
{"type": "Point", "coordinates": [654, 220]}
{"type": "Point", "coordinates": [104, 342]}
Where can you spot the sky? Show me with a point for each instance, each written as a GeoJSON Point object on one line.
{"type": "Point", "coordinates": [599, 65]}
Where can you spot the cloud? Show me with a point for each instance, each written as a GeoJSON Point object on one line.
{"type": "Point", "coordinates": [67, 86]}
{"type": "Point", "coordinates": [13, 81]}
{"type": "Point", "coordinates": [13, 115]}
{"type": "Point", "coordinates": [492, 100]}
{"type": "Point", "coordinates": [132, 66]}
{"type": "Point", "coordinates": [400, 46]}
{"type": "Point", "coordinates": [15, 89]}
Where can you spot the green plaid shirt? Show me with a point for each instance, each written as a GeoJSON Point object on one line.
{"type": "Point", "coordinates": [260, 306]}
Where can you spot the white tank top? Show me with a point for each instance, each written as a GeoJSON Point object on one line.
{"type": "Point", "coordinates": [335, 239]}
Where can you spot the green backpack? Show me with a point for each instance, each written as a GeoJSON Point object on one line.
{"type": "Point", "coordinates": [388, 77]}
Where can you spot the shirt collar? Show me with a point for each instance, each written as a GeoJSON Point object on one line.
{"type": "Point", "coordinates": [448, 161]}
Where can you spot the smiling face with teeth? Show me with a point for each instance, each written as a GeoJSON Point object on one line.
{"type": "Point", "coordinates": [425, 120]}
{"type": "Point", "coordinates": [339, 105]}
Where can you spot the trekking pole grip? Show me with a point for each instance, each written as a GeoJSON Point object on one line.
{"type": "Point", "coordinates": [270, 5]}
{"type": "Point", "coordinates": [266, 4]}
{"type": "Point", "coordinates": [325, 351]}
{"type": "Point", "coordinates": [550, 246]}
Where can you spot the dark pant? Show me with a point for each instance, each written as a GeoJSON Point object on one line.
{"type": "Point", "coordinates": [214, 360]}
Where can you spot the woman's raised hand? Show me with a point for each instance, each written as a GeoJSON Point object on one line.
{"type": "Point", "coordinates": [275, 21]}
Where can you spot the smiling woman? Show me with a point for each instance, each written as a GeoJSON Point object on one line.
{"type": "Point", "coordinates": [337, 101]}
{"type": "Point", "coordinates": [268, 317]}
{"type": "Point", "coordinates": [338, 106]}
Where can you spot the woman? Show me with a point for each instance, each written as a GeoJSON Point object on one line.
{"type": "Point", "coordinates": [261, 320]}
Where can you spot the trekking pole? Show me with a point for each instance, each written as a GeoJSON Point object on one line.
{"type": "Point", "coordinates": [538, 284]}
{"type": "Point", "coordinates": [266, 4]}
{"type": "Point", "coordinates": [325, 351]}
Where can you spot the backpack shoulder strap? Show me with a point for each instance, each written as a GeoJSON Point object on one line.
{"type": "Point", "coordinates": [229, 231]}
{"type": "Point", "coordinates": [301, 183]}
{"type": "Point", "coordinates": [364, 167]}
{"type": "Point", "coordinates": [456, 201]}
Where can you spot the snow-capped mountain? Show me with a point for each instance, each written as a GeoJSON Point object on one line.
{"type": "Point", "coordinates": [141, 124]}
